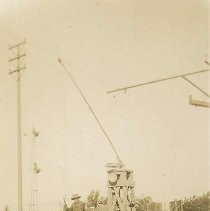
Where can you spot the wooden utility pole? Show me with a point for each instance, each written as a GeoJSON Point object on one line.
{"type": "Point", "coordinates": [18, 58]}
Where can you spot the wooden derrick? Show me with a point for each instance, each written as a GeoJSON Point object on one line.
{"type": "Point", "coordinates": [121, 195]}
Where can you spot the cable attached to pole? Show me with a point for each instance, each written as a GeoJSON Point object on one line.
{"type": "Point", "coordinates": [91, 110]}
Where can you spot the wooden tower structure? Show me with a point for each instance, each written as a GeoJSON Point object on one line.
{"type": "Point", "coordinates": [121, 196]}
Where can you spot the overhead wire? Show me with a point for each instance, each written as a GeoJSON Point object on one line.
{"type": "Point", "coordinates": [90, 108]}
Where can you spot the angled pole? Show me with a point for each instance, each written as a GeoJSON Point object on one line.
{"type": "Point", "coordinates": [18, 69]}
{"type": "Point", "coordinates": [91, 110]}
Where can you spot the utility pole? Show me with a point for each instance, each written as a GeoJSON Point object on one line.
{"type": "Point", "coordinates": [18, 58]}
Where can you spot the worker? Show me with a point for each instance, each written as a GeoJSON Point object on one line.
{"type": "Point", "coordinates": [77, 205]}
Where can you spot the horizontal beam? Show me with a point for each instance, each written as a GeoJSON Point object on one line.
{"type": "Point", "coordinates": [17, 57]}
{"type": "Point", "coordinates": [17, 70]}
{"type": "Point", "coordinates": [156, 81]}
{"type": "Point", "coordinates": [17, 45]}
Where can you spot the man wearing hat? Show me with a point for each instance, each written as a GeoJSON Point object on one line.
{"type": "Point", "coordinates": [77, 204]}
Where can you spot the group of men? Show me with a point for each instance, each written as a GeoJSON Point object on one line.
{"type": "Point", "coordinates": [78, 205]}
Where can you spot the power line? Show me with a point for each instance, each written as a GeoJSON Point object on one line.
{"type": "Point", "coordinates": [160, 80]}
{"type": "Point", "coordinates": [91, 109]}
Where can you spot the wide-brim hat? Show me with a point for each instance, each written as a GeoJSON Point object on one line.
{"type": "Point", "coordinates": [75, 196]}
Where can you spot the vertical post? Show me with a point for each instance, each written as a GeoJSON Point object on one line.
{"type": "Point", "coordinates": [19, 141]}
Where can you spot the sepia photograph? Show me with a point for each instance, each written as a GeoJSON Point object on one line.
{"type": "Point", "coordinates": [105, 105]}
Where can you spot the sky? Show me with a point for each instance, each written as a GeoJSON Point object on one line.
{"type": "Point", "coordinates": [105, 44]}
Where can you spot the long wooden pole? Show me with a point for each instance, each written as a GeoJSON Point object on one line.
{"type": "Point", "coordinates": [19, 138]}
